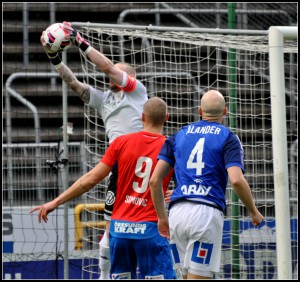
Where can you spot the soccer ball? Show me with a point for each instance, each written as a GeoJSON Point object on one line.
{"type": "Point", "coordinates": [55, 38]}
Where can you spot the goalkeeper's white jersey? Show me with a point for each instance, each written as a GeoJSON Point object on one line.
{"type": "Point", "coordinates": [121, 112]}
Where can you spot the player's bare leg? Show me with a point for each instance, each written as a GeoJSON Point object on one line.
{"type": "Point", "coordinates": [191, 276]}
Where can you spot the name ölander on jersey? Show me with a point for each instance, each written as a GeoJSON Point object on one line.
{"type": "Point", "coordinates": [194, 189]}
{"type": "Point", "coordinates": [136, 201]}
{"type": "Point", "coordinates": [203, 130]}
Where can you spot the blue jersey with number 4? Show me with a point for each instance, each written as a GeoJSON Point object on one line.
{"type": "Point", "coordinates": [201, 153]}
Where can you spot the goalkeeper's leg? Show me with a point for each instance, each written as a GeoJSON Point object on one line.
{"type": "Point", "coordinates": [104, 254]}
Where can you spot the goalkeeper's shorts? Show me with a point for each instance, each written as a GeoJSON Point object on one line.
{"type": "Point", "coordinates": [111, 193]}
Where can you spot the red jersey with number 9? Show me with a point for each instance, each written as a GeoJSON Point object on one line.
{"type": "Point", "coordinates": [136, 155]}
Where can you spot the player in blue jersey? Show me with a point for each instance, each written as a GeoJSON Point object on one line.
{"type": "Point", "coordinates": [204, 154]}
{"type": "Point", "coordinates": [120, 108]}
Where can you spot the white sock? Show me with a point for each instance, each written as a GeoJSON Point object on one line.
{"type": "Point", "coordinates": [104, 257]}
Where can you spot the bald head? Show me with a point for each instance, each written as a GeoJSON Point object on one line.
{"type": "Point", "coordinates": [114, 87]}
{"type": "Point", "coordinates": [212, 105]}
{"type": "Point", "coordinates": [155, 111]}
{"type": "Point", "coordinates": [126, 68]}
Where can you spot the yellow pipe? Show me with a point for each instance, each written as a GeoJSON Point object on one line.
{"type": "Point", "coordinates": [79, 225]}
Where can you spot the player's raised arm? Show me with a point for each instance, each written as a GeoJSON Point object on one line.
{"type": "Point", "coordinates": [102, 62]}
{"type": "Point", "coordinates": [81, 89]}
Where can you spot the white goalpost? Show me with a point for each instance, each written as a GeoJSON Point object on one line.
{"type": "Point", "coordinates": [277, 35]}
{"type": "Point", "coordinates": [179, 65]}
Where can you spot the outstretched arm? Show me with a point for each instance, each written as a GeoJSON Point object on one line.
{"type": "Point", "coordinates": [81, 89]}
{"type": "Point", "coordinates": [106, 66]}
{"type": "Point", "coordinates": [102, 62]}
{"type": "Point", "coordinates": [81, 186]}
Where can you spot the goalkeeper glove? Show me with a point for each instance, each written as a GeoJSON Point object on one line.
{"type": "Point", "coordinates": [74, 35]}
{"type": "Point", "coordinates": [53, 57]}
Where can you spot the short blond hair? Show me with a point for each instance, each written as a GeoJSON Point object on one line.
{"type": "Point", "coordinates": [156, 110]}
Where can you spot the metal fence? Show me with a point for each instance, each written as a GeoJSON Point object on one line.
{"type": "Point", "coordinates": [28, 180]}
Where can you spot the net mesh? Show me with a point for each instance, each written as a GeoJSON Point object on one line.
{"type": "Point", "coordinates": [180, 67]}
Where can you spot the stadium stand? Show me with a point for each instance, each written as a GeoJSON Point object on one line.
{"type": "Point", "coordinates": [39, 18]}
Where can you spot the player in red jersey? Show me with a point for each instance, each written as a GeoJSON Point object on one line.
{"type": "Point", "coordinates": [134, 237]}
{"type": "Point", "coordinates": [122, 101]}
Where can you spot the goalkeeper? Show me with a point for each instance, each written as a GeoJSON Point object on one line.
{"type": "Point", "coordinates": [120, 108]}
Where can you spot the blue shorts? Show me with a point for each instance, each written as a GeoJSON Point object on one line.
{"type": "Point", "coordinates": [151, 255]}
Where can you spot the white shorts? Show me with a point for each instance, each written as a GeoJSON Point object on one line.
{"type": "Point", "coordinates": [196, 238]}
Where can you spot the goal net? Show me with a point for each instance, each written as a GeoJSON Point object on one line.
{"type": "Point", "coordinates": [179, 67]}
